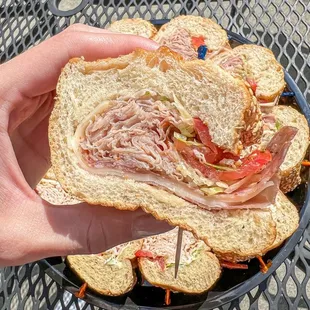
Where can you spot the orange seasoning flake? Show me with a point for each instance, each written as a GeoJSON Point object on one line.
{"type": "Point", "coordinates": [81, 291]}
{"type": "Point", "coordinates": [253, 84]}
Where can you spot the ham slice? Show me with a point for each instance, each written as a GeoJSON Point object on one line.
{"type": "Point", "coordinates": [132, 136]}
{"type": "Point", "coordinates": [180, 41]}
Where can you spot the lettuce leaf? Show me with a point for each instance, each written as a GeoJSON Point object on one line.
{"type": "Point", "coordinates": [209, 191]}
{"type": "Point", "coordinates": [187, 126]}
{"type": "Point", "coordinates": [218, 167]}
{"type": "Point", "coordinates": [194, 255]}
{"type": "Point", "coordinates": [183, 138]}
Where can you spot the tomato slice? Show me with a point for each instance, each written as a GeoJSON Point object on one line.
{"type": "Point", "coordinates": [253, 84]}
{"type": "Point", "coordinates": [210, 156]}
{"type": "Point", "coordinates": [188, 151]}
{"type": "Point", "coordinates": [147, 254]}
{"type": "Point", "coordinates": [142, 253]}
{"type": "Point", "coordinates": [252, 164]}
{"type": "Point", "coordinates": [198, 41]}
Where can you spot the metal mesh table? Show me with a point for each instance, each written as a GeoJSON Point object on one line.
{"type": "Point", "coordinates": [281, 25]}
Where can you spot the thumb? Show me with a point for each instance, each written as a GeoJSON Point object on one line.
{"type": "Point", "coordinates": [46, 230]}
{"type": "Point", "coordinates": [101, 228]}
{"type": "Point", "coordinates": [87, 229]}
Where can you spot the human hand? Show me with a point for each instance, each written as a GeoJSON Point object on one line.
{"type": "Point", "coordinates": [30, 228]}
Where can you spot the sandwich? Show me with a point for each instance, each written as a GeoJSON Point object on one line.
{"type": "Point", "coordinates": [261, 72]}
{"type": "Point", "coordinates": [187, 140]}
{"type": "Point", "coordinates": [135, 26]}
{"type": "Point", "coordinates": [258, 67]}
{"type": "Point", "coordinates": [199, 268]}
{"type": "Point", "coordinates": [184, 35]}
{"type": "Point", "coordinates": [113, 273]}
{"type": "Point", "coordinates": [151, 130]}
{"type": "Point", "coordinates": [110, 273]}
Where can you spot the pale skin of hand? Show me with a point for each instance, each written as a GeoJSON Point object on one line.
{"type": "Point", "coordinates": [30, 228]}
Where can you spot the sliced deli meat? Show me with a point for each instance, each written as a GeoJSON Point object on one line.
{"type": "Point", "coordinates": [164, 246]}
{"type": "Point", "coordinates": [180, 41]}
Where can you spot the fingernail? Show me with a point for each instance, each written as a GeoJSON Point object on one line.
{"type": "Point", "coordinates": [146, 225]}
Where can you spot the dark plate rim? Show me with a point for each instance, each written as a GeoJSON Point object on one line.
{"type": "Point", "coordinates": [246, 286]}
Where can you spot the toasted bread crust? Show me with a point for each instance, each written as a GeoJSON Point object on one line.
{"type": "Point", "coordinates": [249, 50]}
{"type": "Point", "coordinates": [136, 26]}
{"type": "Point", "coordinates": [290, 168]}
{"type": "Point", "coordinates": [286, 216]}
{"type": "Point", "coordinates": [225, 253]}
{"type": "Point", "coordinates": [176, 284]}
{"type": "Point", "coordinates": [290, 179]}
{"type": "Point", "coordinates": [215, 35]}
{"type": "Point", "coordinates": [252, 116]}
{"type": "Point", "coordinates": [80, 265]}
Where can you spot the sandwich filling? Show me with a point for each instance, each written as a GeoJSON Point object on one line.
{"type": "Point", "coordinates": [112, 256]}
{"type": "Point", "coordinates": [162, 249]}
{"type": "Point", "coordinates": [180, 41]}
{"type": "Point", "coordinates": [240, 65]}
{"type": "Point", "coordinates": [152, 139]}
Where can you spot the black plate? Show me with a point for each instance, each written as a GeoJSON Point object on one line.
{"type": "Point", "coordinates": [232, 284]}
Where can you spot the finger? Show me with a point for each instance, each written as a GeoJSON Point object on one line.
{"type": "Point", "coordinates": [76, 229]}
{"type": "Point", "coordinates": [94, 229]}
{"type": "Point", "coordinates": [87, 28]}
{"type": "Point", "coordinates": [36, 71]}
{"type": "Point", "coordinates": [38, 109]}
